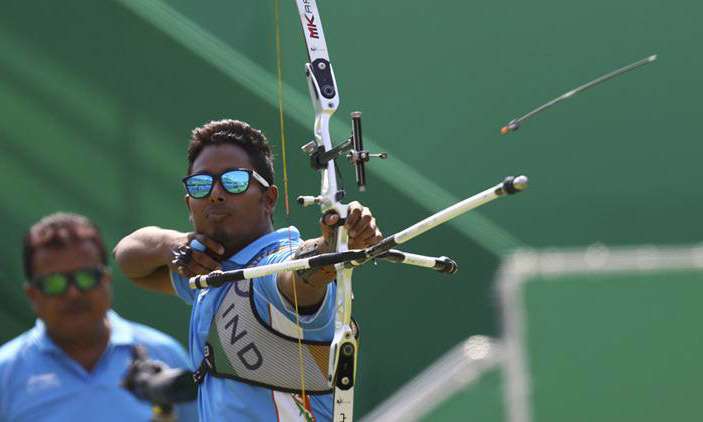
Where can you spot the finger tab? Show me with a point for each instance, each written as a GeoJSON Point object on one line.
{"type": "Point", "coordinates": [197, 245]}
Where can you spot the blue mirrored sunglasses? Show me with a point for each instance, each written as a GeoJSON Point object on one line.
{"type": "Point", "coordinates": [234, 181]}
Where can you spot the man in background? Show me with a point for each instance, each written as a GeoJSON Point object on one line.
{"type": "Point", "coordinates": [70, 366]}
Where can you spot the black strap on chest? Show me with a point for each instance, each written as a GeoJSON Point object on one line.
{"type": "Point", "coordinates": [205, 366]}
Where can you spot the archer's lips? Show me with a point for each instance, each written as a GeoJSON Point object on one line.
{"type": "Point", "coordinates": [218, 213]}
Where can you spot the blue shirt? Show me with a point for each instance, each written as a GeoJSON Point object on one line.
{"type": "Point", "coordinates": [222, 399]}
{"type": "Point", "coordinates": [39, 382]}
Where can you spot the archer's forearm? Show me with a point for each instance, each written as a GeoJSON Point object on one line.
{"type": "Point", "coordinates": [318, 277]}
{"type": "Point", "coordinates": [145, 251]}
{"type": "Point", "coordinates": [306, 287]}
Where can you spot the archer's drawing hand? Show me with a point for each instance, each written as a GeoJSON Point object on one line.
{"type": "Point", "coordinates": [360, 224]}
{"type": "Point", "coordinates": [188, 261]}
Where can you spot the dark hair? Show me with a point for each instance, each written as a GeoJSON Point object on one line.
{"type": "Point", "coordinates": [59, 230]}
{"type": "Point", "coordinates": [233, 132]}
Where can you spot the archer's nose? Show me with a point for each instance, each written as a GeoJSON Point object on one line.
{"type": "Point", "coordinates": [218, 193]}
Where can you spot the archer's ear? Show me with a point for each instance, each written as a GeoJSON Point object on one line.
{"type": "Point", "coordinates": [270, 197]}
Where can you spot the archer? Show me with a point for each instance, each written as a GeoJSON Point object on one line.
{"type": "Point", "coordinates": [245, 338]}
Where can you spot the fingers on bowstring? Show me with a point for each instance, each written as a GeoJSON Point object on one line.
{"type": "Point", "coordinates": [203, 261]}
{"type": "Point", "coordinates": [199, 263]}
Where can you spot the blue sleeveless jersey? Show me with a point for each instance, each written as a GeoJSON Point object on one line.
{"type": "Point", "coordinates": [222, 399]}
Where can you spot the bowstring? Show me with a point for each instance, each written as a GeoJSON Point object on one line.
{"type": "Point", "coordinates": [281, 122]}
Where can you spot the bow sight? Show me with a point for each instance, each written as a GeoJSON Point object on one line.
{"type": "Point", "coordinates": [352, 148]}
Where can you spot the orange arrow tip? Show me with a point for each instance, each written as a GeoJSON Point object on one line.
{"type": "Point", "coordinates": [504, 130]}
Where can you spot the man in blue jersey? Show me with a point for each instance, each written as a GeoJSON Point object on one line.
{"type": "Point", "coordinates": [70, 366]}
{"type": "Point", "coordinates": [244, 336]}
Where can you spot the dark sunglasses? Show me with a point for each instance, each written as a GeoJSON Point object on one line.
{"type": "Point", "coordinates": [56, 284]}
{"type": "Point", "coordinates": [233, 181]}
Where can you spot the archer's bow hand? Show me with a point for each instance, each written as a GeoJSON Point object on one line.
{"type": "Point", "coordinates": [360, 224]}
{"type": "Point", "coordinates": [363, 232]}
